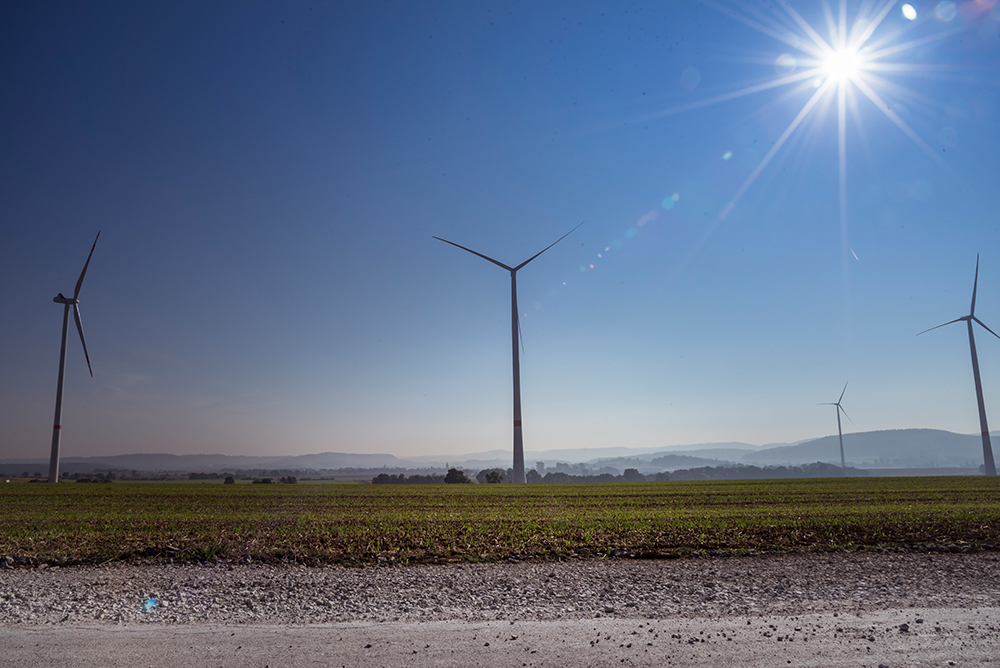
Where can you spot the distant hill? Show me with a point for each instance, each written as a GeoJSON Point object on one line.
{"type": "Point", "coordinates": [166, 462]}
{"type": "Point", "coordinates": [896, 448]}
{"type": "Point", "coordinates": [891, 449]}
{"type": "Point", "coordinates": [673, 462]}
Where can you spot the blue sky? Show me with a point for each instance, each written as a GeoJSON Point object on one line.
{"type": "Point", "coordinates": [267, 180]}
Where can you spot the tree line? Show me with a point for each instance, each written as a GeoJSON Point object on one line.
{"type": "Point", "coordinates": [738, 472]}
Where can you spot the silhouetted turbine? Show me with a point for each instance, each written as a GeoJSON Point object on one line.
{"type": "Point", "coordinates": [75, 303]}
{"type": "Point", "coordinates": [514, 327]}
{"type": "Point", "coordinates": [991, 468]}
{"type": "Point", "coordinates": [843, 464]}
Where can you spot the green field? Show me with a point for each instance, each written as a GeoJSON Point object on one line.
{"type": "Point", "coordinates": [70, 523]}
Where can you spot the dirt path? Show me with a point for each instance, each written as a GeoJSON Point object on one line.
{"type": "Point", "coordinates": [910, 637]}
{"type": "Point", "coordinates": [863, 610]}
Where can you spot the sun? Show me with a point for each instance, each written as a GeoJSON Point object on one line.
{"type": "Point", "coordinates": [853, 62]}
{"type": "Point", "coordinates": [843, 64]}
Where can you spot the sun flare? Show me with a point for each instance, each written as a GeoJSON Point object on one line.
{"type": "Point", "coordinates": [854, 61]}
{"type": "Point", "coordinates": [843, 64]}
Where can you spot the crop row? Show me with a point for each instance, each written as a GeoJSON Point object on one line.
{"type": "Point", "coordinates": [442, 523]}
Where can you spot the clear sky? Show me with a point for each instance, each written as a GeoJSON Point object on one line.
{"type": "Point", "coordinates": [267, 178]}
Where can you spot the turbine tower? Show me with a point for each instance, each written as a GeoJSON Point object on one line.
{"type": "Point", "coordinates": [843, 464]}
{"type": "Point", "coordinates": [991, 468]}
{"type": "Point", "coordinates": [67, 303]}
{"type": "Point", "coordinates": [514, 329]}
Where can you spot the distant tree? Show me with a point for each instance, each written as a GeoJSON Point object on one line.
{"type": "Point", "coordinates": [288, 480]}
{"type": "Point", "coordinates": [492, 476]}
{"type": "Point", "coordinates": [532, 476]}
{"type": "Point", "coordinates": [230, 480]}
{"type": "Point", "coordinates": [633, 475]}
{"type": "Point", "coordinates": [425, 479]}
{"type": "Point", "coordinates": [455, 476]}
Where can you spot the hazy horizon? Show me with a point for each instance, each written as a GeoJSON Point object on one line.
{"type": "Point", "coordinates": [267, 181]}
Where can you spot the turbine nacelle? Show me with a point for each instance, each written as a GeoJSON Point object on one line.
{"type": "Point", "coordinates": [60, 299]}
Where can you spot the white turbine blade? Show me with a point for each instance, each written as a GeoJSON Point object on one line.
{"type": "Point", "coordinates": [79, 327]}
{"type": "Point", "coordinates": [79, 283]}
{"type": "Point", "coordinates": [546, 248]}
{"type": "Point", "coordinates": [485, 257]}
{"type": "Point", "coordinates": [975, 283]}
{"type": "Point", "coordinates": [985, 327]}
{"type": "Point", "coordinates": [520, 336]}
{"type": "Point", "coordinates": [845, 413]}
{"type": "Point", "coordinates": [842, 393]}
{"type": "Point", "coordinates": [941, 325]}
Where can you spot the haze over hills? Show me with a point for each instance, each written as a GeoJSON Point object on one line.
{"type": "Point", "coordinates": [898, 448]}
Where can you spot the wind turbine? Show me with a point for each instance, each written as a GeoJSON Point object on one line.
{"type": "Point", "coordinates": [843, 464]}
{"type": "Point", "coordinates": [991, 468]}
{"type": "Point", "coordinates": [514, 329]}
{"type": "Point", "coordinates": [67, 303]}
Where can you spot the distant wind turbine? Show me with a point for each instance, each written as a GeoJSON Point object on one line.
{"type": "Point", "coordinates": [67, 303]}
{"type": "Point", "coordinates": [843, 464]}
{"type": "Point", "coordinates": [514, 329]}
{"type": "Point", "coordinates": [991, 468]}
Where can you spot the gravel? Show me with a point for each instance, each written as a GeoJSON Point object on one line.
{"type": "Point", "coordinates": [221, 593]}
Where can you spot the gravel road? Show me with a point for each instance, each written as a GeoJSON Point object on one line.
{"type": "Point", "coordinates": [920, 609]}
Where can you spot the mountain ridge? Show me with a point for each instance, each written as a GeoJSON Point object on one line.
{"type": "Point", "coordinates": [889, 448]}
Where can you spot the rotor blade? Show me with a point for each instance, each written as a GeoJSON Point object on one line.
{"type": "Point", "coordinates": [842, 393]}
{"type": "Point", "coordinates": [79, 283]}
{"type": "Point", "coordinates": [547, 247]}
{"type": "Point", "coordinates": [826, 403]}
{"type": "Point", "coordinates": [845, 413]}
{"type": "Point", "coordinates": [941, 325]}
{"type": "Point", "coordinates": [79, 327]}
{"type": "Point", "coordinates": [975, 283]}
{"type": "Point", "coordinates": [985, 327]}
{"type": "Point", "coordinates": [485, 257]}
{"type": "Point", "coordinates": [520, 336]}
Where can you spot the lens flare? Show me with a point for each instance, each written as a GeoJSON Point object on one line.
{"type": "Point", "coordinates": [785, 64]}
{"type": "Point", "coordinates": [945, 11]}
{"type": "Point", "coordinates": [690, 78]}
{"type": "Point", "coordinates": [909, 12]}
{"type": "Point", "coordinates": [648, 218]}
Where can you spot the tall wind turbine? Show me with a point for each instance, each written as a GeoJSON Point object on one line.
{"type": "Point", "coordinates": [843, 464]}
{"type": "Point", "coordinates": [991, 468]}
{"type": "Point", "coordinates": [514, 327]}
{"type": "Point", "coordinates": [67, 303]}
